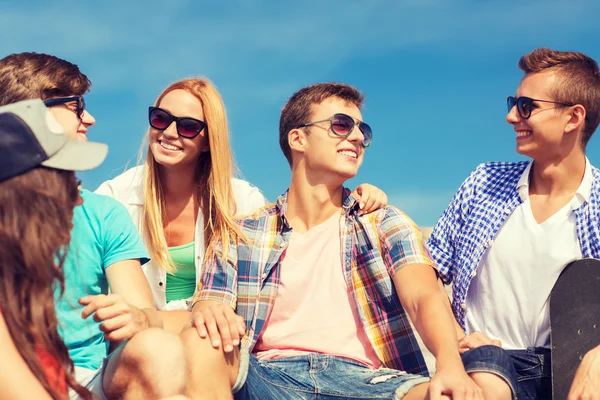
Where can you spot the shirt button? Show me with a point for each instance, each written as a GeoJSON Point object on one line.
{"type": "Point", "coordinates": [463, 306]}
{"type": "Point", "coordinates": [160, 283]}
{"type": "Point", "coordinates": [473, 274]}
{"type": "Point", "coordinates": [507, 210]}
{"type": "Point", "coordinates": [264, 275]}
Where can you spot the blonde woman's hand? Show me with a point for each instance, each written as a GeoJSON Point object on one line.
{"type": "Point", "coordinates": [370, 198]}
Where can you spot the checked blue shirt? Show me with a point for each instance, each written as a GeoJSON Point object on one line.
{"type": "Point", "coordinates": [478, 210]}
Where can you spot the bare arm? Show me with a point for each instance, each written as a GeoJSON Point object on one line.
{"type": "Point", "coordinates": [128, 280]}
{"type": "Point", "coordinates": [16, 379]}
{"type": "Point", "coordinates": [429, 310]}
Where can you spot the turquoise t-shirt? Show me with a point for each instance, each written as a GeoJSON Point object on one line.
{"type": "Point", "coordinates": [103, 234]}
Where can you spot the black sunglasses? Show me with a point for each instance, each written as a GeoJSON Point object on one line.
{"type": "Point", "coordinates": [342, 125]}
{"type": "Point", "coordinates": [525, 105]}
{"type": "Point", "coordinates": [62, 100]}
{"type": "Point", "coordinates": [187, 127]}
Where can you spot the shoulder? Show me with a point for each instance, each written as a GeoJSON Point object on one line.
{"type": "Point", "coordinates": [125, 186]}
{"type": "Point", "coordinates": [498, 171]}
{"type": "Point", "coordinates": [392, 216]}
{"type": "Point", "coordinates": [248, 197]}
{"type": "Point", "coordinates": [99, 206]}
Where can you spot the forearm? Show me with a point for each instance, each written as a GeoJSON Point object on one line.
{"type": "Point", "coordinates": [437, 327]}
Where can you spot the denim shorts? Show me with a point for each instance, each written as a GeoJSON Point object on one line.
{"type": "Point", "coordinates": [319, 376]}
{"type": "Point", "coordinates": [527, 372]}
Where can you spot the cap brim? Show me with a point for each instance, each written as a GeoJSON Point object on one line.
{"type": "Point", "coordinates": [77, 155]}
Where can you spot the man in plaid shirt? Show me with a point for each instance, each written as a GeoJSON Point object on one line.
{"type": "Point", "coordinates": [512, 227]}
{"type": "Point", "coordinates": [323, 294]}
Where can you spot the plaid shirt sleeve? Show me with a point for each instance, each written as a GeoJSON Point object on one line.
{"type": "Point", "coordinates": [219, 279]}
{"type": "Point", "coordinates": [443, 239]}
{"type": "Point", "coordinates": [402, 241]}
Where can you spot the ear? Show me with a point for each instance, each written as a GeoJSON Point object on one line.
{"type": "Point", "coordinates": [576, 118]}
{"type": "Point", "coordinates": [297, 140]}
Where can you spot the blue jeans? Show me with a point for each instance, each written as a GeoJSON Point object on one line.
{"type": "Point", "coordinates": [319, 376]}
{"type": "Point", "coordinates": [527, 372]}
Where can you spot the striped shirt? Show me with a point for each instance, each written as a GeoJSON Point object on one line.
{"type": "Point", "coordinates": [374, 247]}
{"type": "Point", "coordinates": [478, 210]}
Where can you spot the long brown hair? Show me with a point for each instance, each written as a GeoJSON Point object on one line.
{"type": "Point", "coordinates": [36, 213]}
{"type": "Point", "coordinates": [214, 172]}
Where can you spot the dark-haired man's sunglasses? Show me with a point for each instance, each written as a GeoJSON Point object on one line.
{"type": "Point", "coordinates": [63, 100]}
{"type": "Point", "coordinates": [343, 125]}
{"type": "Point", "coordinates": [187, 127]}
{"type": "Point", "coordinates": [525, 105]}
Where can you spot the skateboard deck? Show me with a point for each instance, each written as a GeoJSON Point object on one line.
{"type": "Point", "coordinates": [575, 321]}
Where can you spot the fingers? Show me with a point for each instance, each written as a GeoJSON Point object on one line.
{"type": "Point", "coordinates": [221, 325]}
{"type": "Point", "coordinates": [370, 198]}
{"type": "Point", "coordinates": [94, 303]}
{"type": "Point", "coordinates": [474, 340]}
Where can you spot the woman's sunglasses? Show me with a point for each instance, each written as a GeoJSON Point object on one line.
{"type": "Point", "coordinates": [343, 125]}
{"type": "Point", "coordinates": [63, 100]}
{"type": "Point", "coordinates": [525, 105]}
{"type": "Point", "coordinates": [187, 127]}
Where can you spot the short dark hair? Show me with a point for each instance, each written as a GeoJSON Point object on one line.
{"type": "Point", "coordinates": [25, 76]}
{"type": "Point", "coordinates": [297, 110]}
{"type": "Point", "coordinates": [579, 81]}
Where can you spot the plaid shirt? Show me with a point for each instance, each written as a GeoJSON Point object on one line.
{"type": "Point", "coordinates": [475, 215]}
{"type": "Point", "coordinates": [374, 247]}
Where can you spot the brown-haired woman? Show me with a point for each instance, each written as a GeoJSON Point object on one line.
{"type": "Point", "coordinates": [38, 192]}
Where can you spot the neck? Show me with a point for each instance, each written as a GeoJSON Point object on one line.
{"type": "Point", "coordinates": [309, 204]}
{"type": "Point", "coordinates": [557, 177]}
{"type": "Point", "coordinates": [178, 183]}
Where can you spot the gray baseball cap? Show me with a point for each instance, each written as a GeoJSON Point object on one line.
{"type": "Point", "coordinates": [30, 136]}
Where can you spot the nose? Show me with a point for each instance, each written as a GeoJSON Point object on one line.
{"type": "Point", "coordinates": [513, 116]}
{"type": "Point", "coordinates": [356, 135]}
{"type": "Point", "coordinates": [171, 131]}
{"type": "Point", "coordinates": [87, 119]}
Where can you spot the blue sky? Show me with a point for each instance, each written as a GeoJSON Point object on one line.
{"type": "Point", "coordinates": [435, 73]}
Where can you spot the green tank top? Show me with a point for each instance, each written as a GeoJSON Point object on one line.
{"type": "Point", "coordinates": [182, 284]}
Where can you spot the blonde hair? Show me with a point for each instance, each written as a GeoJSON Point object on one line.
{"type": "Point", "coordinates": [213, 175]}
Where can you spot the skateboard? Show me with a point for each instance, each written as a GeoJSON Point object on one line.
{"type": "Point", "coordinates": [574, 321]}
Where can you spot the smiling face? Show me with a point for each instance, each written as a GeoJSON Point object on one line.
{"type": "Point", "coordinates": [168, 148]}
{"type": "Point", "coordinates": [323, 154]}
{"type": "Point", "coordinates": [542, 135]}
{"type": "Point", "coordinates": [75, 128]}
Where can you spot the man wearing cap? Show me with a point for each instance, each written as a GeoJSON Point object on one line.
{"type": "Point", "coordinates": [112, 338]}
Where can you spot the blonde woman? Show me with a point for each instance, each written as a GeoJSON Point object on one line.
{"type": "Point", "coordinates": [185, 193]}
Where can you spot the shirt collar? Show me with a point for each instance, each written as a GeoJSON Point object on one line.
{"type": "Point", "coordinates": [582, 195]}
{"type": "Point", "coordinates": [349, 204]}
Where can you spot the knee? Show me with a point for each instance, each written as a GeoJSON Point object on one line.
{"type": "Point", "coordinates": [493, 386]}
{"type": "Point", "coordinates": [155, 351]}
{"type": "Point", "coordinates": [207, 361]}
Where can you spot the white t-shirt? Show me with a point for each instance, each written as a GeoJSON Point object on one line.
{"type": "Point", "coordinates": [508, 297]}
{"type": "Point", "coordinates": [128, 188]}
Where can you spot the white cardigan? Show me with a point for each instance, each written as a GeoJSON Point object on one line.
{"type": "Point", "coordinates": [128, 189]}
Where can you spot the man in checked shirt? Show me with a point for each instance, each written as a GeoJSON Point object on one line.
{"type": "Point", "coordinates": [323, 294]}
{"type": "Point", "coordinates": [512, 227]}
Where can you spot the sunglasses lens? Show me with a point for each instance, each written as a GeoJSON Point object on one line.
{"type": "Point", "coordinates": [525, 107]}
{"type": "Point", "coordinates": [159, 119]}
{"type": "Point", "coordinates": [510, 103]}
{"type": "Point", "coordinates": [342, 124]}
{"type": "Point", "coordinates": [367, 133]}
{"type": "Point", "coordinates": [81, 105]}
{"type": "Point", "coordinates": [189, 128]}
